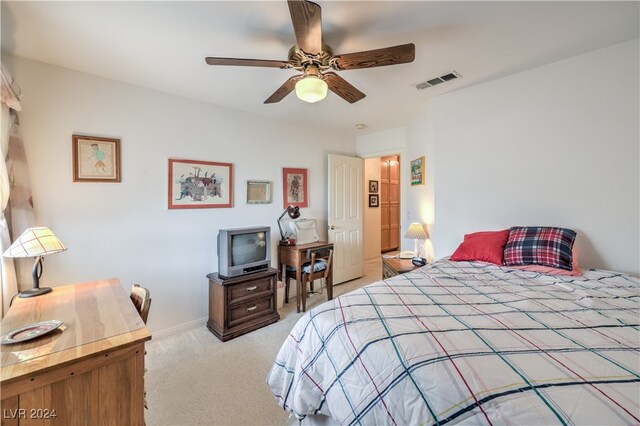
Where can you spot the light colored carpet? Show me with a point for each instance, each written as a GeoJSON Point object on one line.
{"type": "Point", "coordinates": [195, 379]}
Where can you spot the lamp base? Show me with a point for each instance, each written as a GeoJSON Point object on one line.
{"type": "Point", "coordinates": [33, 292]}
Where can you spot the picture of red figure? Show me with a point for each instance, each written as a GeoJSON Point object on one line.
{"type": "Point", "coordinates": [294, 187]}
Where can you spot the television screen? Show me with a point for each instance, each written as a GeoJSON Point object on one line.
{"type": "Point", "coordinates": [248, 248]}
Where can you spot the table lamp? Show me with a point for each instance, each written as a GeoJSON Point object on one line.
{"type": "Point", "coordinates": [35, 242]}
{"type": "Point", "coordinates": [416, 232]}
{"type": "Point", "coordinates": [293, 212]}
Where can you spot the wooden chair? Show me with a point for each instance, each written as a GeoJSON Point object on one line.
{"type": "Point", "coordinates": [141, 299]}
{"type": "Point", "coordinates": [323, 269]}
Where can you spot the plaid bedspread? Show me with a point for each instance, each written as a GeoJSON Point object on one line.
{"type": "Point", "coordinates": [462, 342]}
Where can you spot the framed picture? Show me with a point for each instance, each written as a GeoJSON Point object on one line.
{"type": "Point", "coordinates": [200, 184]}
{"type": "Point", "coordinates": [258, 192]}
{"type": "Point", "coordinates": [417, 171]}
{"type": "Point", "coordinates": [373, 186]}
{"type": "Point", "coordinates": [95, 159]}
{"type": "Point", "coordinates": [374, 201]}
{"type": "Point", "coordinates": [295, 187]}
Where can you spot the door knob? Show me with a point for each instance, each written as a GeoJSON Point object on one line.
{"type": "Point", "coordinates": [332, 227]}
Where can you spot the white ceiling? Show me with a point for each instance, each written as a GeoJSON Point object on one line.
{"type": "Point", "coordinates": [162, 46]}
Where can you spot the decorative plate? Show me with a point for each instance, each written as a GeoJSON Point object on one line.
{"type": "Point", "coordinates": [29, 332]}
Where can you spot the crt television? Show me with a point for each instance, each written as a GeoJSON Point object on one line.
{"type": "Point", "coordinates": [243, 251]}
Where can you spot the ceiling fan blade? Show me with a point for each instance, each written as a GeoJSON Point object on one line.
{"type": "Point", "coordinates": [401, 54]}
{"type": "Point", "coordinates": [247, 62]}
{"type": "Point", "coordinates": [342, 88]}
{"type": "Point", "coordinates": [283, 90]}
{"type": "Point", "coordinates": [306, 17]}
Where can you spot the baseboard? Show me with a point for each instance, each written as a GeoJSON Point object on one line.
{"type": "Point", "coordinates": [178, 328]}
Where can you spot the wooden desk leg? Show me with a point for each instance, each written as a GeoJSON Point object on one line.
{"type": "Point", "coordinates": [330, 284]}
{"type": "Point", "coordinates": [298, 285]}
{"type": "Point", "coordinates": [303, 286]}
{"type": "Point", "coordinates": [279, 265]}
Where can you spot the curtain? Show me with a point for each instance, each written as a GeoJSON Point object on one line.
{"type": "Point", "coordinates": [10, 102]}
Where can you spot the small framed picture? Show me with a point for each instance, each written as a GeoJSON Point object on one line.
{"type": "Point", "coordinates": [197, 184]}
{"type": "Point", "coordinates": [258, 192]}
{"type": "Point", "coordinates": [373, 186]}
{"type": "Point", "coordinates": [95, 159]}
{"type": "Point", "coordinates": [417, 171]}
{"type": "Point", "coordinates": [374, 201]}
{"type": "Point", "coordinates": [295, 187]}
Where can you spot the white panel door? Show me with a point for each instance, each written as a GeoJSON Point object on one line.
{"type": "Point", "coordinates": [346, 216]}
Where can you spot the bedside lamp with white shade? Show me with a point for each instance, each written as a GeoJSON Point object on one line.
{"type": "Point", "coordinates": [35, 242]}
{"type": "Point", "coordinates": [416, 232]}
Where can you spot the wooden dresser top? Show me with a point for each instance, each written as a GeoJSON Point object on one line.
{"type": "Point", "coordinates": [98, 316]}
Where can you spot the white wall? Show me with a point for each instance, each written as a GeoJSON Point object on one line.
{"type": "Point", "coordinates": [388, 142]}
{"type": "Point", "coordinates": [380, 144]}
{"type": "Point", "coordinates": [556, 145]}
{"type": "Point", "coordinates": [372, 215]}
{"type": "Point", "coordinates": [421, 198]}
{"type": "Point", "coordinates": [125, 230]}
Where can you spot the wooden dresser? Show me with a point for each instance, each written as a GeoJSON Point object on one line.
{"type": "Point", "coordinates": [241, 304]}
{"type": "Point", "coordinates": [88, 372]}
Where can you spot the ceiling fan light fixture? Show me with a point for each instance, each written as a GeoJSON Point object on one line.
{"type": "Point", "coordinates": [314, 59]}
{"type": "Point", "coordinates": [311, 89]}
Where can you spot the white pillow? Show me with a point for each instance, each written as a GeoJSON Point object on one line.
{"type": "Point", "coordinates": [305, 231]}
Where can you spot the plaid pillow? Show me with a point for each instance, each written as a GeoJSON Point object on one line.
{"type": "Point", "coordinates": [539, 245]}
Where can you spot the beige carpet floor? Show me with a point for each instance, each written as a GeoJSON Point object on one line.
{"type": "Point", "coordinates": [195, 379]}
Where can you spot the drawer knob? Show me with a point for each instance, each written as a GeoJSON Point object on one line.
{"type": "Point", "coordinates": [252, 288]}
{"type": "Point", "coordinates": [253, 308]}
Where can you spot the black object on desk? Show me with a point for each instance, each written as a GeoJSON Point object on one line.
{"type": "Point", "coordinates": [419, 261]}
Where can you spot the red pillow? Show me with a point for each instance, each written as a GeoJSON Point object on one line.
{"type": "Point", "coordinates": [485, 246]}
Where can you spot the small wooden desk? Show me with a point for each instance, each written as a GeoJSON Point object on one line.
{"type": "Point", "coordinates": [296, 256]}
{"type": "Point", "coordinates": [392, 266]}
{"type": "Point", "coordinates": [91, 372]}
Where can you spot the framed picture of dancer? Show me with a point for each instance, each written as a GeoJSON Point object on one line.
{"type": "Point", "coordinates": [295, 187]}
{"type": "Point", "coordinates": [200, 184]}
{"type": "Point", "coordinates": [95, 159]}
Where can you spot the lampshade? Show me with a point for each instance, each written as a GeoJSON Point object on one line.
{"type": "Point", "coordinates": [416, 232]}
{"type": "Point", "coordinates": [311, 89]}
{"type": "Point", "coordinates": [35, 242]}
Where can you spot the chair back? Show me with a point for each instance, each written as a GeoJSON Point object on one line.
{"type": "Point", "coordinates": [324, 273]}
{"type": "Point", "coordinates": [141, 299]}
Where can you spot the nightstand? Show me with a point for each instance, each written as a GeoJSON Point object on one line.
{"type": "Point", "coordinates": [241, 304]}
{"type": "Point", "coordinates": [394, 266]}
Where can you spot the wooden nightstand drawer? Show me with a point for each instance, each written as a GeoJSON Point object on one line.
{"type": "Point", "coordinates": [388, 272]}
{"type": "Point", "coordinates": [248, 311]}
{"type": "Point", "coordinates": [239, 293]}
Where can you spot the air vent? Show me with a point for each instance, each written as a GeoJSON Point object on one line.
{"type": "Point", "coordinates": [434, 81]}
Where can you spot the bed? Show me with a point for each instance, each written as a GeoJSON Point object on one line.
{"type": "Point", "coordinates": [469, 343]}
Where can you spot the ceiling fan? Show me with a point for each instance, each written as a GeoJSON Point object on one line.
{"type": "Point", "coordinates": [315, 60]}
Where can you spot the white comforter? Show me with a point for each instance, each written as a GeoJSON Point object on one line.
{"type": "Point", "coordinates": [461, 342]}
